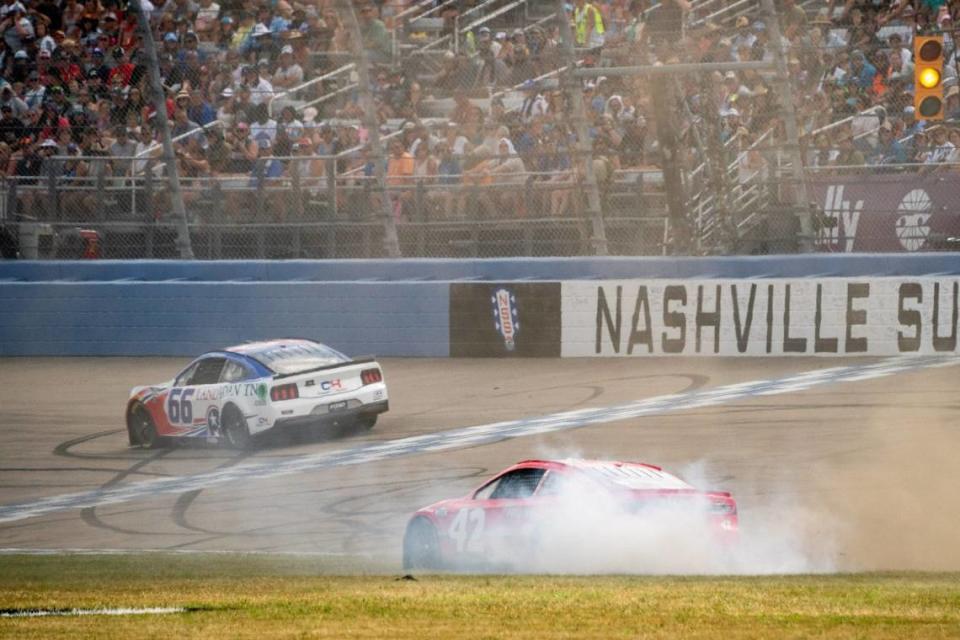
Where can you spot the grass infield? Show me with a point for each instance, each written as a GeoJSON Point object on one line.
{"type": "Point", "coordinates": [243, 596]}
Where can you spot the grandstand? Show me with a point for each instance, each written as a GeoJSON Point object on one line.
{"type": "Point", "coordinates": [472, 100]}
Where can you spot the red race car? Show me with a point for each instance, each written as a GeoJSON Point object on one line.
{"type": "Point", "coordinates": [545, 514]}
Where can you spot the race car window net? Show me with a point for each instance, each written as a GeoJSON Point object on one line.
{"type": "Point", "coordinates": [555, 484]}
{"type": "Point", "coordinates": [208, 372]}
{"type": "Point", "coordinates": [517, 484]}
{"type": "Point", "coordinates": [234, 372]}
{"type": "Point", "coordinates": [186, 375]}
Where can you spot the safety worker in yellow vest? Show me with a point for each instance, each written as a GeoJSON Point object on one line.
{"type": "Point", "coordinates": [587, 25]}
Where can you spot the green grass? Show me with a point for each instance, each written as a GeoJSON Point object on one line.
{"type": "Point", "coordinates": [267, 597]}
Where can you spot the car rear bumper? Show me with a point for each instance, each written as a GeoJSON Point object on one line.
{"type": "Point", "coordinates": [333, 417]}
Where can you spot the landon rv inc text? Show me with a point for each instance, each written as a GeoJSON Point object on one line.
{"type": "Point", "coordinates": [814, 316]}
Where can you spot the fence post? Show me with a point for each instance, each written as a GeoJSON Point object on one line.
{"type": "Point", "coordinates": [101, 184]}
{"type": "Point", "coordinates": [782, 83]}
{"type": "Point", "coordinates": [259, 173]}
{"type": "Point", "coordinates": [148, 190]}
{"type": "Point", "coordinates": [332, 187]}
{"type": "Point", "coordinates": [48, 169]}
{"type": "Point", "coordinates": [10, 210]}
{"type": "Point", "coordinates": [584, 144]}
{"type": "Point", "coordinates": [391, 241]}
{"type": "Point", "coordinates": [158, 99]}
{"type": "Point", "coordinates": [297, 192]}
{"type": "Point", "coordinates": [419, 200]}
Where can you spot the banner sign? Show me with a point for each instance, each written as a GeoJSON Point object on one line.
{"type": "Point", "coordinates": [887, 212]}
{"type": "Point", "coordinates": [505, 319]}
{"type": "Point", "coordinates": [778, 317]}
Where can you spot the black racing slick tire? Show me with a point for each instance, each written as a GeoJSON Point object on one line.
{"type": "Point", "coordinates": [235, 429]}
{"type": "Point", "coordinates": [421, 546]}
{"type": "Point", "coordinates": [365, 423]}
{"type": "Point", "coordinates": [141, 429]}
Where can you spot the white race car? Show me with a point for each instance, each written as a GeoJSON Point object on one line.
{"type": "Point", "coordinates": [241, 392]}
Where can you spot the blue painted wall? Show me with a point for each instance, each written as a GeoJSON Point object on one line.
{"type": "Point", "coordinates": [388, 308]}
{"type": "Point", "coordinates": [186, 318]}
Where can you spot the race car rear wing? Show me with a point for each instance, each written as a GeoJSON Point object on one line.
{"type": "Point", "coordinates": [337, 365]}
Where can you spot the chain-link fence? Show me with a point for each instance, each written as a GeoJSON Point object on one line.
{"type": "Point", "coordinates": [490, 128]}
{"type": "Point", "coordinates": [312, 210]}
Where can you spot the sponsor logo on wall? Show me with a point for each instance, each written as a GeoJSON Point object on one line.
{"type": "Point", "coordinates": [913, 225]}
{"type": "Point", "coordinates": [887, 212]}
{"type": "Point", "coordinates": [827, 316]}
{"type": "Point", "coordinates": [505, 319]}
{"type": "Point", "coordinates": [505, 316]}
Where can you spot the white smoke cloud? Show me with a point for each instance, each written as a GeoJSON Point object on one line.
{"type": "Point", "coordinates": [587, 531]}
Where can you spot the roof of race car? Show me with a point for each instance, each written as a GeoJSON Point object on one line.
{"type": "Point", "coordinates": [289, 355]}
{"type": "Point", "coordinates": [630, 475]}
{"type": "Point", "coordinates": [253, 348]}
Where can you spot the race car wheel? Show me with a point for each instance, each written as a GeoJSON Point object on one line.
{"type": "Point", "coordinates": [235, 429]}
{"type": "Point", "coordinates": [142, 430]}
{"type": "Point", "coordinates": [366, 423]}
{"type": "Point", "coordinates": [421, 546]}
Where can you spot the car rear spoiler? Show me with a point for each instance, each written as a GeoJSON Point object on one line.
{"type": "Point", "coordinates": [357, 360]}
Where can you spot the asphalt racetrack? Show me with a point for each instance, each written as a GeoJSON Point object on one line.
{"type": "Point", "coordinates": [849, 464]}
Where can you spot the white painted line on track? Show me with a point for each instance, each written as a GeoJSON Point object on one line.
{"type": "Point", "coordinates": [44, 613]}
{"type": "Point", "coordinates": [470, 436]}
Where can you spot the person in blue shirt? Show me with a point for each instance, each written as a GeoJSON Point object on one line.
{"type": "Point", "coordinates": [449, 171]}
{"type": "Point", "coordinates": [888, 149]}
{"type": "Point", "coordinates": [862, 70]}
{"type": "Point", "coordinates": [200, 111]}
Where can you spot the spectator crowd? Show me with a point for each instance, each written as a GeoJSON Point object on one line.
{"type": "Point", "coordinates": [485, 111]}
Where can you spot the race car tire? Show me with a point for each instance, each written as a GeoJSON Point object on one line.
{"type": "Point", "coordinates": [235, 429]}
{"type": "Point", "coordinates": [421, 546]}
{"type": "Point", "coordinates": [365, 423]}
{"type": "Point", "coordinates": [142, 431]}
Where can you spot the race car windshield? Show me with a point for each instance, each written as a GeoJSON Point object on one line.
{"type": "Point", "coordinates": [286, 359]}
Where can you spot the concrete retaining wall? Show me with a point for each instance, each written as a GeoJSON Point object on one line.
{"type": "Point", "coordinates": [388, 308]}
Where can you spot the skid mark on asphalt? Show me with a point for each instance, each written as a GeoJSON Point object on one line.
{"type": "Point", "coordinates": [472, 436]}
{"type": "Point", "coordinates": [89, 514]}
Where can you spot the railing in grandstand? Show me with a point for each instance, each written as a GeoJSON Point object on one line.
{"type": "Point", "coordinates": [402, 20]}
{"type": "Point", "coordinates": [330, 75]}
{"type": "Point", "coordinates": [479, 22]}
{"type": "Point", "coordinates": [872, 111]}
{"type": "Point", "coordinates": [726, 12]}
{"type": "Point", "coordinates": [748, 195]}
{"type": "Point", "coordinates": [100, 195]}
{"type": "Point", "coordinates": [341, 239]}
{"type": "Point", "coordinates": [332, 215]}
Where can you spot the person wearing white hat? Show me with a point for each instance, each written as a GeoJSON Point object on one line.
{"type": "Point", "coordinates": [226, 113]}
{"type": "Point", "coordinates": [289, 73]}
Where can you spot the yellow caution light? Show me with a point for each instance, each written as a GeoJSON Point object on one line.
{"type": "Point", "coordinates": [929, 78]}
